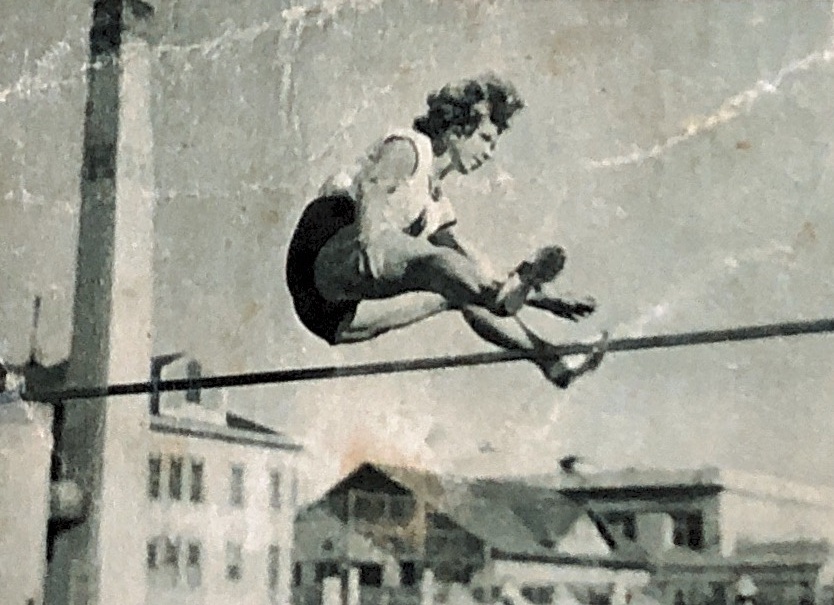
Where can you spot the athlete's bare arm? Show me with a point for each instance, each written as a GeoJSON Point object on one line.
{"type": "Point", "coordinates": [382, 185]}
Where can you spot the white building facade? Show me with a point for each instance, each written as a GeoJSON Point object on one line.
{"type": "Point", "coordinates": [26, 438]}
{"type": "Point", "coordinates": [221, 504]}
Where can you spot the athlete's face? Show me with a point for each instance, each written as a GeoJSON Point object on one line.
{"type": "Point", "coordinates": [469, 153]}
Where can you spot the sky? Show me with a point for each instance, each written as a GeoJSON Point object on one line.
{"type": "Point", "coordinates": [680, 152]}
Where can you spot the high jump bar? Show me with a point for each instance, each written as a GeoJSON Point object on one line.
{"type": "Point", "coordinates": [663, 341]}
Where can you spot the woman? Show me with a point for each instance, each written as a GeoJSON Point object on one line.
{"type": "Point", "coordinates": [386, 230]}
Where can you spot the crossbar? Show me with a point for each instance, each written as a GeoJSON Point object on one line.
{"type": "Point", "coordinates": [685, 339]}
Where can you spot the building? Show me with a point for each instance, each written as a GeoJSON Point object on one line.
{"type": "Point", "coordinates": [699, 537]}
{"type": "Point", "coordinates": [405, 536]}
{"type": "Point", "coordinates": [712, 534]}
{"type": "Point", "coordinates": [32, 502]}
{"type": "Point", "coordinates": [26, 437]}
{"type": "Point", "coordinates": [217, 508]}
{"type": "Point", "coordinates": [221, 495]}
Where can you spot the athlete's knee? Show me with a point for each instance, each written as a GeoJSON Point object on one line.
{"type": "Point", "coordinates": [346, 337]}
{"type": "Point", "coordinates": [353, 330]}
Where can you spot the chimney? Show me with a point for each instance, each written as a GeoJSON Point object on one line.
{"type": "Point", "coordinates": [193, 371]}
{"type": "Point", "coordinates": [158, 363]}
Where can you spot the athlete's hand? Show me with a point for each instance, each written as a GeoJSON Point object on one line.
{"type": "Point", "coordinates": [565, 307]}
{"type": "Point", "coordinates": [577, 309]}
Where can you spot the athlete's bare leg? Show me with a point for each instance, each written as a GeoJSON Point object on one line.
{"type": "Point", "coordinates": [395, 263]}
{"type": "Point", "coordinates": [512, 334]}
{"type": "Point", "coordinates": [377, 317]}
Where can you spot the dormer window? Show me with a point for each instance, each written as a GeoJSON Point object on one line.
{"type": "Point", "coordinates": [688, 530]}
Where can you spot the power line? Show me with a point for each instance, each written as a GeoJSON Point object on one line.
{"type": "Point", "coordinates": [760, 332]}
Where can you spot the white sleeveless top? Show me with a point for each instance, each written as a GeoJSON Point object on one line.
{"type": "Point", "coordinates": [416, 207]}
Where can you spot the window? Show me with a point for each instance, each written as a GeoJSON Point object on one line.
{"type": "Point", "coordinates": [152, 557]}
{"type": "Point", "coordinates": [273, 563]}
{"type": "Point", "coordinates": [194, 554]}
{"type": "Point", "coordinates": [718, 594]}
{"type": "Point", "coordinates": [688, 530]}
{"type": "Point", "coordinates": [408, 573]}
{"type": "Point", "coordinates": [539, 595]}
{"type": "Point", "coordinates": [234, 562]}
{"type": "Point", "coordinates": [326, 569]}
{"type": "Point", "coordinates": [175, 479]}
{"type": "Point", "coordinates": [370, 575]}
{"type": "Point", "coordinates": [193, 571]}
{"type": "Point", "coordinates": [154, 476]}
{"type": "Point", "coordinates": [196, 481]}
{"type": "Point", "coordinates": [599, 597]}
{"type": "Point", "coordinates": [172, 554]}
{"type": "Point", "coordinates": [695, 524]}
{"type": "Point", "coordinates": [236, 486]}
{"type": "Point", "coordinates": [275, 489]}
{"type": "Point", "coordinates": [368, 507]}
{"type": "Point", "coordinates": [296, 575]}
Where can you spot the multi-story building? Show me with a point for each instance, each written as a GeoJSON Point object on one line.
{"type": "Point", "coordinates": [216, 509]}
{"type": "Point", "coordinates": [221, 495]}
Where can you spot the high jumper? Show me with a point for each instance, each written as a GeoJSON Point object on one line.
{"type": "Point", "coordinates": [386, 229]}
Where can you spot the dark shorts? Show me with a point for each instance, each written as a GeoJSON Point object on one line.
{"type": "Point", "coordinates": [320, 221]}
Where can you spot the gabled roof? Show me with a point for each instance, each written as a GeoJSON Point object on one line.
{"type": "Point", "coordinates": [547, 513]}
{"type": "Point", "coordinates": [513, 518]}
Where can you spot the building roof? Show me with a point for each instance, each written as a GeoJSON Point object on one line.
{"type": "Point", "coordinates": [630, 478]}
{"type": "Point", "coordinates": [236, 429]}
{"type": "Point", "coordinates": [707, 478]}
{"type": "Point", "coordinates": [536, 520]}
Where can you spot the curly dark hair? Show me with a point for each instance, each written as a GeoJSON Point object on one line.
{"type": "Point", "coordinates": [452, 108]}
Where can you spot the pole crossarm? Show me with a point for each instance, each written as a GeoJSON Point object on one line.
{"type": "Point", "coordinates": [664, 341]}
